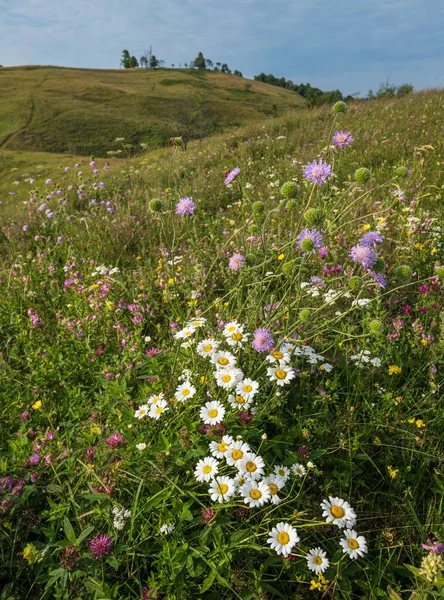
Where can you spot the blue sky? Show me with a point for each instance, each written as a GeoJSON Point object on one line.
{"type": "Point", "coordinates": [352, 45]}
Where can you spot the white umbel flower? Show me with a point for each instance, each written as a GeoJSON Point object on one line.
{"type": "Point", "coordinates": [317, 560]}
{"type": "Point", "coordinates": [212, 413]}
{"type": "Point", "coordinates": [157, 409]}
{"type": "Point", "coordinates": [282, 374]}
{"type": "Point", "coordinates": [206, 469]}
{"type": "Point", "coordinates": [222, 489]}
{"type": "Point", "coordinates": [255, 493]}
{"type": "Point", "coordinates": [339, 512]}
{"type": "Point", "coordinates": [283, 538]}
{"type": "Point", "coordinates": [236, 452]}
{"type": "Point", "coordinates": [227, 378]}
{"type": "Point", "coordinates": [185, 391]}
{"type": "Point", "coordinates": [298, 469]}
{"type": "Point", "coordinates": [353, 544]}
{"type": "Point", "coordinates": [247, 388]}
{"type": "Point", "coordinates": [251, 465]}
{"type": "Point", "coordinates": [220, 449]}
{"type": "Point", "coordinates": [142, 411]}
{"type": "Point", "coordinates": [282, 472]}
{"type": "Point", "coordinates": [206, 348]}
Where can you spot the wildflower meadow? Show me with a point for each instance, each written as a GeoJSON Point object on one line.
{"type": "Point", "coordinates": [221, 369]}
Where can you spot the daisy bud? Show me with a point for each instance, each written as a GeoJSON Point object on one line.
{"type": "Point", "coordinates": [339, 107]}
{"type": "Point", "coordinates": [264, 436]}
{"type": "Point", "coordinates": [289, 190]}
{"type": "Point", "coordinates": [401, 172]}
{"type": "Point", "coordinates": [362, 175]}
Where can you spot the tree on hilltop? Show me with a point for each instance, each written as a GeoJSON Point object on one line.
{"type": "Point", "coordinates": [199, 62]}
{"type": "Point", "coordinates": [127, 61]}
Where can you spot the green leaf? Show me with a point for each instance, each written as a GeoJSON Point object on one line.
{"type": "Point", "coordinates": [392, 594]}
{"type": "Point", "coordinates": [85, 533]}
{"type": "Point", "coordinates": [112, 562]}
{"type": "Point", "coordinates": [69, 531]}
{"type": "Point", "coordinates": [208, 582]}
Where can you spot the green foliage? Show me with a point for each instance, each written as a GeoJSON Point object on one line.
{"type": "Point", "coordinates": [313, 95]}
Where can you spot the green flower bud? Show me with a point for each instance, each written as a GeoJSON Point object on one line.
{"type": "Point", "coordinates": [355, 283]}
{"type": "Point", "coordinates": [258, 207]}
{"type": "Point", "coordinates": [259, 218]}
{"type": "Point", "coordinates": [156, 205]}
{"type": "Point", "coordinates": [401, 172]}
{"type": "Point", "coordinates": [403, 272]}
{"type": "Point", "coordinates": [253, 229]}
{"type": "Point", "coordinates": [311, 216]}
{"type": "Point", "coordinates": [307, 245]}
{"type": "Point", "coordinates": [291, 204]}
{"type": "Point", "coordinates": [376, 327]}
{"type": "Point", "coordinates": [287, 268]}
{"type": "Point", "coordinates": [250, 259]}
{"type": "Point", "coordinates": [379, 266]}
{"type": "Point", "coordinates": [31, 554]}
{"type": "Point", "coordinates": [339, 107]}
{"type": "Point", "coordinates": [362, 175]}
{"type": "Point", "coordinates": [289, 190]}
{"type": "Point", "coordinates": [304, 315]}
{"type": "Point", "coordinates": [440, 271]}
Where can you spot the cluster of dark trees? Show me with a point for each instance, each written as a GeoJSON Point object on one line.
{"type": "Point", "coordinates": [149, 61]}
{"type": "Point", "coordinates": [313, 95]}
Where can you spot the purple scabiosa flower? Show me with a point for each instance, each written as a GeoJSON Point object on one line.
{"type": "Point", "coordinates": [48, 181]}
{"type": "Point", "coordinates": [262, 340]}
{"type": "Point", "coordinates": [100, 546]}
{"type": "Point", "coordinates": [185, 206]}
{"type": "Point", "coordinates": [363, 255]}
{"type": "Point", "coordinates": [317, 172]}
{"type": "Point", "coordinates": [342, 139]}
{"type": "Point", "coordinates": [231, 176]}
{"type": "Point", "coordinates": [236, 262]}
{"type": "Point", "coordinates": [115, 440]}
{"type": "Point", "coordinates": [371, 238]}
{"type": "Point", "coordinates": [400, 194]}
{"type": "Point", "coordinates": [434, 546]}
{"type": "Point", "coordinates": [309, 239]}
{"type": "Point", "coordinates": [379, 278]}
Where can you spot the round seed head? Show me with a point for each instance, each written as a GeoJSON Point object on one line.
{"type": "Point", "coordinates": [362, 175]}
{"type": "Point", "coordinates": [289, 190]}
{"type": "Point", "coordinates": [339, 107]}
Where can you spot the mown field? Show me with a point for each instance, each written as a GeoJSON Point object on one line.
{"type": "Point", "coordinates": [221, 370]}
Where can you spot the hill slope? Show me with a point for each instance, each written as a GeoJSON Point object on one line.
{"type": "Point", "coordinates": [81, 111]}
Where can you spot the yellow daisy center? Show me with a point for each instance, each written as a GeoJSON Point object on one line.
{"type": "Point", "coordinates": [232, 328]}
{"type": "Point", "coordinates": [248, 389]}
{"type": "Point", "coordinates": [283, 537]}
{"type": "Point", "coordinates": [298, 470]}
{"type": "Point", "coordinates": [222, 447]}
{"type": "Point", "coordinates": [159, 409]}
{"type": "Point", "coordinates": [240, 399]}
{"type": "Point", "coordinates": [337, 512]}
{"type": "Point", "coordinates": [317, 560]}
{"type": "Point", "coordinates": [226, 378]}
{"type": "Point", "coordinates": [237, 337]}
{"type": "Point", "coordinates": [273, 489]}
{"type": "Point", "coordinates": [353, 544]}
{"type": "Point", "coordinates": [207, 469]}
{"type": "Point", "coordinates": [223, 488]}
{"type": "Point", "coordinates": [155, 400]}
{"type": "Point", "coordinates": [255, 494]}
{"type": "Point", "coordinates": [185, 392]}
{"type": "Point", "coordinates": [278, 355]}
{"type": "Point", "coordinates": [280, 374]}
{"type": "Point", "coordinates": [208, 347]}
{"type": "Point", "coordinates": [212, 413]}
{"type": "Point", "coordinates": [142, 411]}
{"type": "Point", "coordinates": [237, 454]}
{"type": "Point", "coordinates": [251, 467]}
{"type": "Point", "coordinates": [222, 360]}
{"type": "Point", "coordinates": [281, 472]}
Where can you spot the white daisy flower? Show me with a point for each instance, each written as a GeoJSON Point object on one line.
{"type": "Point", "coordinates": [227, 378]}
{"type": "Point", "coordinates": [237, 452]}
{"type": "Point", "coordinates": [251, 465]}
{"type": "Point", "coordinates": [283, 538]}
{"type": "Point", "coordinates": [220, 449]}
{"type": "Point", "coordinates": [232, 327]}
{"type": "Point", "coordinates": [223, 360]}
{"type": "Point", "coordinates": [339, 512]}
{"type": "Point", "coordinates": [237, 339]}
{"type": "Point", "coordinates": [287, 348]}
{"type": "Point", "coordinates": [275, 484]}
{"type": "Point", "coordinates": [185, 391]}
{"type": "Point", "coordinates": [277, 356]}
{"type": "Point", "coordinates": [187, 343]}
{"type": "Point", "coordinates": [353, 544]}
{"type": "Point", "coordinates": [222, 489]}
{"type": "Point", "coordinates": [212, 413]}
{"type": "Point", "coordinates": [317, 560]}
{"type": "Point", "coordinates": [247, 388]}
{"type": "Point", "coordinates": [281, 374]}
{"type": "Point", "coordinates": [206, 469]}
{"type": "Point", "coordinates": [155, 398]}
{"type": "Point", "coordinates": [282, 472]}
{"type": "Point", "coordinates": [142, 411]}
{"type": "Point", "coordinates": [184, 333]}
{"type": "Point", "coordinates": [240, 479]}
{"type": "Point", "coordinates": [157, 409]}
{"type": "Point", "coordinates": [141, 446]}
{"type": "Point", "coordinates": [255, 493]}
{"type": "Point", "coordinates": [198, 322]}
{"type": "Point", "coordinates": [207, 348]}
{"type": "Point", "coordinates": [239, 401]}
{"type": "Point", "coordinates": [298, 469]}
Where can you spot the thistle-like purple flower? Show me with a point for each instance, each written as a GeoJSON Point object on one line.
{"type": "Point", "coordinates": [379, 278]}
{"type": "Point", "coordinates": [434, 546]}
{"type": "Point", "coordinates": [309, 239]}
{"type": "Point", "coordinates": [236, 262]}
{"type": "Point", "coordinates": [363, 255]}
{"type": "Point", "coordinates": [342, 139]}
{"type": "Point", "coordinates": [371, 238]}
{"type": "Point", "coordinates": [262, 340]}
{"type": "Point", "coordinates": [317, 172]}
{"type": "Point", "coordinates": [232, 175]}
{"type": "Point", "coordinates": [400, 194]}
{"type": "Point", "coordinates": [185, 206]}
{"type": "Point", "coordinates": [100, 546]}
{"type": "Point", "coordinates": [115, 440]}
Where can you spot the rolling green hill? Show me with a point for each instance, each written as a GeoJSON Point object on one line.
{"type": "Point", "coordinates": [82, 111]}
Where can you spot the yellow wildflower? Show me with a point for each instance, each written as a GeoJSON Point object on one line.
{"type": "Point", "coordinates": [424, 342]}
{"type": "Point", "coordinates": [366, 227]}
{"type": "Point", "coordinates": [394, 370]}
{"type": "Point", "coordinates": [37, 405]}
{"type": "Point", "coordinates": [281, 256]}
{"type": "Point", "coordinates": [420, 424]}
{"type": "Point", "coordinates": [392, 472]}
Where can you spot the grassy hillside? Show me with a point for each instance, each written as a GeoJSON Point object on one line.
{"type": "Point", "coordinates": [81, 111]}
